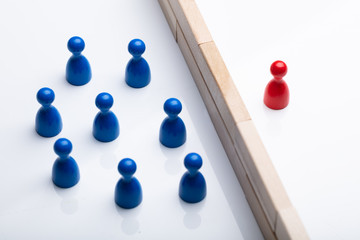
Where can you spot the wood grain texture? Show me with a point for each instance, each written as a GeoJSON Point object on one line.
{"type": "Point", "coordinates": [192, 25]}
{"type": "Point", "coordinates": [261, 171]}
{"type": "Point", "coordinates": [288, 225]}
{"type": "Point", "coordinates": [263, 189]}
{"type": "Point", "coordinates": [222, 87]}
{"type": "Point", "coordinates": [225, 139]}
{"type": "Point", "coordinates": [191, 21]}
{"type": "Point", "coordinates": [169, 15]}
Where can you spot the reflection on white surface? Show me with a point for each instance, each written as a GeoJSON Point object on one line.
{"type": "Point", "coordinates": [314, 142]}
{"type": "Point", "coordinates": [174, 162]}
{"type": "Point", "coordinates": [69, 203]}
{"type": "Point", "coordinates": [109, 161]}
{"type": "Point", "coordinates": [192, 217]}
{"type": "Point", "coordinates": [130, 223]}
{"type": "Point", "coordinates": [34, 55]}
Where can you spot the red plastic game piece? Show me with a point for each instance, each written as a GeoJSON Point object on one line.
{"type": "Point", "coordinates": [277, 92]}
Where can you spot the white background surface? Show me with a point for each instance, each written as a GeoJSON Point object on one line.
{"type": "Point", "coordinates": [314, 142]}
{"type": "Point", "coordinates": [33, 54]}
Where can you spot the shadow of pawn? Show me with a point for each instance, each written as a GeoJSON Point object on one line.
{"type": "Point", "coordinates": [130, 224]}
{"type": "Point", "coordinates": [128, 196]}
{"type": "Point", "coordinates": [69, 204]}
{"type": "Point", "coordinates": [108, 161]}
{"type": "Point", "coordinates": [192, 218]}
{"type": "Point", "coordinates": [172, 164]}
{"type": "Point", "coordinates": [65, 176]}
{"type": "Point", "coordinates": [192, 190]}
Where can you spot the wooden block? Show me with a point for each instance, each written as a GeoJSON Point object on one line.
{"type": "Point", "coordinates": [189, 58]}
{"type": "Point", "coordinates": [289, 226]}
{"type": "Point", "coordinates": [251, 163]}
{"type": "Point", "coordinates": [222, 87]}
{"type": "Point", "coordinates": [243, 179]}
{"type": "Point", "coordinates": [256, 208]}
{"type": "Point", "coordinates": [191, 21]}
{"type": "Point", "coordinates": [169, 15]}
{"type": "Point", "coordinates": [261, 171]}
{"type": "Point", "coordinates": [192, 25]}
{"type": "Point", "coordinates": [210, 62]}
{"type": "Point", "coordinates": [225, 139]}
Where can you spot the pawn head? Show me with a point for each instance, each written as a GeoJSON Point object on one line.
{"type": "Point", "coordinates": [76, 45]}
{"type": "Point", "coordinates": [278, 69]}
{"type": "Point", "coordinates": [62, 147]}
{"type": "Point", "coordinates": [45, 96]}
{"type": "Point", "coordinates": [172, 107]}
{"type": "Point", "coordinates": [127, 168]}
{"type": "Point", "coordinates": [104, 101]}
{"type": "Point", "coordinates": [193, 162]}
{"type": "Point", "coordinates": [136, 47]}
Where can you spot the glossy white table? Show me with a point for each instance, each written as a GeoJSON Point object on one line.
{"type": "Point", "coordinates": [314, 142]}
{"type": "Point", "coordinates": [34, 55]}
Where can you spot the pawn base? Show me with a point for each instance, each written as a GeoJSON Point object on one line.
{"type": "Point", "coordinates": [276, 94]}
{"type": "Point", "coordinates": [137, 73]}
{"type": "Point", "coordinates": [78, 71]}
{"type": "Point", "coordinates": [128, 194]}
{"type": "Point", "coordinates": [65, 173]}
{"type": "Point", "coordinates": [106, 127]}
{"type": "Point", "coordinates": [48, 122]}
{"type": "Point", "coordinates": [192, 189]}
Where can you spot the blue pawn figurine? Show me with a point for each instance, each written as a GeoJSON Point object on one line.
{"type": "Point", "coordinates": [172, 129]}
{"type": "Point", "coordinates": [128, 192]}
{"type": "Point", "coordinates": [65, 171]}
{"type": "Point", "coordinates": [48, 121]}
{"type": "Point", "coordinates": [192, 184]}
{"type": "Point", "coordinates": [78, 71]}
{"type": "Point", "coordinates": [106, 126]}
{"type": "Point", "coordinates": [137, 73]}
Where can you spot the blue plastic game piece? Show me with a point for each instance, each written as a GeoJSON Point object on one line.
{"type": "Point", "coordinates": [137, 73]}
{"type": "Point", "coordinates": [192, 187]}
{"type": "Point", "coordinates": [106, 126]}
{"type": "Point", "coordinates": [78, 70]}
{"type": "Point", "coordinates": [65, 171]}
{"type": "Point", "coordinates": [172, 129]}
{"type": "Point", "coordinates": [48, 121]}
{"type": "Point", "coordinates": [128, 192]}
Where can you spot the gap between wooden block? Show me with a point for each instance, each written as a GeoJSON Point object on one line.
{"type": "Point", "coordinates": [262, 174]}
{"type": "Point", "coordinates": [227, 101]}
{"type": "Point", "coordinates": [210, 62]}
{"type": "Point", "coordinates": [169, 15]}
{"type": "Point", "coordinates": [222, 87]}
{"type": "Point", "coordinates": [228, 112]}
{"type": "Point", "coordinates": [267, 184]}
{"type": "Point", "coordinates": [289, 226]}
{"type": "Point", "coordinates": [225, 139]}
{"type": "Point", "coordinates": [191, 21]}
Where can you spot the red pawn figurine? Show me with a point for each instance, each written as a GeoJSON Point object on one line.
{"type": "Point", "coordinates": [277, 92]}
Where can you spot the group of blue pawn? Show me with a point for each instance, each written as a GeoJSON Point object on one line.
{"type": "Point", "coordinates": [106, 128]}
{"type": "Point", "coordinates": [78, 70]}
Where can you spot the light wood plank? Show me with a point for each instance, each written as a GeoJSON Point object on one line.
{"type": "Point", "coordinates": [288, 225]}
{"type": "Point", "coordinates": [191, 21]}
{"type": "Point", "coordinates": [244, 148]}
{"type": "Point", "coordinates": [225, 139]}
{"type": "Point", "coordinates": [192, 25]}
{"type": "Point", "coordinates": [261, 171]}
{"type": "Point", "coordinates": [169, 15]}
{"type": "Point", "coordinates": [210, 62]}
{"type": "Point", "coordinates": [222, 87]}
